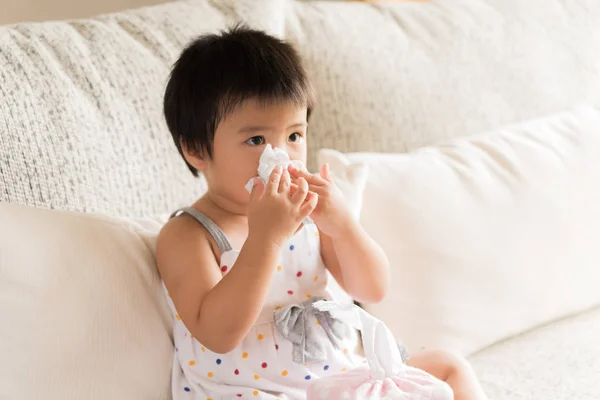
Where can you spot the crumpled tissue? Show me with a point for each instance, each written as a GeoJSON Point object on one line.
{"type": "Point", "coordinates": [385, 376]}
{"type": "Point", "coordinates": [269, 159]}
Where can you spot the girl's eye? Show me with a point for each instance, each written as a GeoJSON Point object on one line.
{"type": "Point", "coordinates": [256, 141]}
{"type": "Point", "coordinates": [294, 137]}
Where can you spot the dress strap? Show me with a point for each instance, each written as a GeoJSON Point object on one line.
{"type": "Point", "coordinates": [209, 225]}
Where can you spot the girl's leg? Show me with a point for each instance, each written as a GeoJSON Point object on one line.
{"type": "Point", "coordinates": [452, 369]}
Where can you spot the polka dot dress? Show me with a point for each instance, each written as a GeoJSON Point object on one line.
{"type": "Point", "coordinates": [262, 367]}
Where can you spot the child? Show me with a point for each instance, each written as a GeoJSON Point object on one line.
{"type": "Point", "coordinates": [242, 269]}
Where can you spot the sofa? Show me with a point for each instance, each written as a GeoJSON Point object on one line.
{"type": "Point", "coordinates": [479, 124]}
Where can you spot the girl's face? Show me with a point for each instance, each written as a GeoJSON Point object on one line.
{"type": "Point", "coordinates": [240, 140]}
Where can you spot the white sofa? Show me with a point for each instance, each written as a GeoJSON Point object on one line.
{"type": "Point", "coordinates": [81, 130]}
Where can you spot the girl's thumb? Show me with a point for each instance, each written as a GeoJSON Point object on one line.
{"type": "Point", "coordinates": [257, 190]}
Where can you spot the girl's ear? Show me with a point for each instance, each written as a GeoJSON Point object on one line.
{"type": "Point", "coordinates": [194, 157]}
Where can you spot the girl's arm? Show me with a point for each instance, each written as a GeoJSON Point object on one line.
{"type": "Point", "coordinates": [358, 263]}
{"type": "Point", "coordinates": [217, 311]}
{"type": "Point", "coordinates": [351, 255]}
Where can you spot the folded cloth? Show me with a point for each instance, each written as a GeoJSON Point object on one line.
{"type": "Point", "coordinates": [386, 376]}
{"type": "Point", "coordinates": [269, 159]}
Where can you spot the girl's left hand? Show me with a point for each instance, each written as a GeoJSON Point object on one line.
{"type": "Point", "coordinates": [331, 214]}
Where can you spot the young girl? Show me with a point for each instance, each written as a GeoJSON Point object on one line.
{"type": "Point", "coordinates": [241, 270]}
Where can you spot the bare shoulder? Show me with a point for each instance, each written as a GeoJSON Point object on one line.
{"type": "Point", "coordinates": [186, 262]}
{"type": "Point", "coordinates": [179, 235]}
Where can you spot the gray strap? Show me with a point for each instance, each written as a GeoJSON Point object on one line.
{"type": "Point", "coordinates": [209, 225]}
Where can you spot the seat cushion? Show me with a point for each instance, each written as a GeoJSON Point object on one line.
{"type": "Point", "coordinates": [560, 361]}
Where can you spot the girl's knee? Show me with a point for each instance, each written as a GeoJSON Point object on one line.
{"type": "Point", "coordinates": [444, 362]}
{"type": "Point", "coordinates": [454, 362]}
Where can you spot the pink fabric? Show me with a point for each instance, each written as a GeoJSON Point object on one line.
{"type": "Point", "coordinates": [410, 384]}
{"type": "Point", "coordinates": [384, 376]}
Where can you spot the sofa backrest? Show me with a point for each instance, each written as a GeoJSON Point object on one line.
{"type": "Point", "coordinates": [395, 76]}
{"type": "Point", "coordinates": [81, 126]}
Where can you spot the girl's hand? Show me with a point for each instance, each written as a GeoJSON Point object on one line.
{"type": "Point", "coordinates": [331, 213]}
{"type": "Point", "coordinates": [274, 214]}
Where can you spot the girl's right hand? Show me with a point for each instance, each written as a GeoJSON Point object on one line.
{"type": "Point", "coordinates": [274, 214]}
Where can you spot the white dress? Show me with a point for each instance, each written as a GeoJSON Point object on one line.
{"type": "Point", "coordinates": [264, 365]}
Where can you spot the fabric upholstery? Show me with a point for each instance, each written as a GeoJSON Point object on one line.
{"type": "Point", "coordinates": [81, 124]}
{"type": "Point", "coordinates": [394, 76]}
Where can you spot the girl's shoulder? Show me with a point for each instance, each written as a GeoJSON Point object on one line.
{"type": "Point", "coordinates": [181, 235]}
{"type": "Point", "coordinates": [201, 221]}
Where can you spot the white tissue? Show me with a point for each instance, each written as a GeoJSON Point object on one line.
{"type": "Point", "coordinates": [387, 377]}
{"type": "Point", "coordinates": [381, 351]}
{"type": "Point", "coordinates": [269, 159]}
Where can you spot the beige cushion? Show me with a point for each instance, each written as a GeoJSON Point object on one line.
{"type": "Point", "coordinates": [491, 235]}
{"type": "Point", "coordinates": [82, 314]}
{"type": "Point", "coordinates": [559, 361]}
{"type": "Point", "coordinates": [395, 76]}
{"type": "Point", "coordinates": [81, 124]}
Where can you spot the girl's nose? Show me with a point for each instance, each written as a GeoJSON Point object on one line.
{"type": "Point", "coordinates": [281, 144]}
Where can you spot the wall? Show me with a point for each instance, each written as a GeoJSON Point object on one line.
{"type": "Point", "coordinates": [12, 11]}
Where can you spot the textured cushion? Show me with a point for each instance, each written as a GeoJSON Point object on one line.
{"type": "Point", "coordinates": [560, 361]}
{"type": "Point", "coordinates": [491, 235]}
{"type": "Point", "coordinates": [81, 125]}
{"type": "Point", "coordinates": [395, 76]}
{"type": "Point", "coordinates": [82, 313]}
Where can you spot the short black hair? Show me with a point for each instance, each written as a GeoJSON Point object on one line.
{"type": "Point", "coordinates": [217, 72]}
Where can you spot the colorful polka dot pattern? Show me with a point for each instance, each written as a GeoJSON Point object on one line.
{"type": "Point", "coordinates": [297, 281]}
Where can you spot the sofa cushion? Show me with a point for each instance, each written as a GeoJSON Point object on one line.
{"type": "Point", "coordinates": [491, 235]}
{"type": "Point", "coordinates": [559, 361]}
{"type": "Point", "coordinates": [82, 312]}
{"type": "Point", "coordinates": [81, 125]}
{"type": "Point", "coordinates": [399, 75]}
{"type": "Point", "coordinates": [81, 304]}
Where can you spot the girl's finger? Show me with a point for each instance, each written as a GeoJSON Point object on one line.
{"type": "Point", "coordinates": [309, 205]}
{"type": "Point", "coordinates": [320, 190]}
{"type": "Point", "coordinates": [274, 179]}
{"type": "Point", "coordinates": [293, 189]}
{"type": "Point", "coordinates": [310, 178]}
{"type": "Point", "coordinates": [284, 182]}
{"type": "Point", "coordinates": [325, 172]}
{"type": "Point", "coordinates": [301, 192]}
{"type": "Point", "coordinates": [257, 190]}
